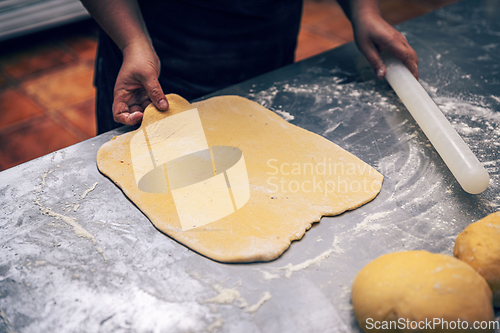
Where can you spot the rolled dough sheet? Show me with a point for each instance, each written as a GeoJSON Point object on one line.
{"type": "Point", "coordinates": [294, 177]}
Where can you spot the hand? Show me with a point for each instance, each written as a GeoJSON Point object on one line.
{"type": "Point", "coordinates": [373, 35]}
{"type": "Point", "coordinates": [137, 85]}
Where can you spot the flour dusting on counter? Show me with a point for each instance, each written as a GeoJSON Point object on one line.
{"type": "Point", "coordinates": [87, 191]}
{"type": "Point", "coordinates": [77, 228]}
{"type": "Point", "coordinates": [227, 296]}
{"type": "Point", "coordinates": [285, 115]}
{"type": "Point", "coordinates": [289, 269]}
{"type": "Point", "coordinates": [232, 295]}
{"type": "Point", "coordinates": [215, 325]}
{"type": "Point", "coordinates": [266, 296]}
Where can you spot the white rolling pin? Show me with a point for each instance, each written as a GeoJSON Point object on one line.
{"type": "Point", "coordinates": [453, 150]}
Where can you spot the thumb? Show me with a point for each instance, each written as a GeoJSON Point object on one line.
{"type": "Point", "coordinates": [155, 93]}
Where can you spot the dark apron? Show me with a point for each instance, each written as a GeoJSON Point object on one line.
{"type": "Point", "coordinates": [204, 46]}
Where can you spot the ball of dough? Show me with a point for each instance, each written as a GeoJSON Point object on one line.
{"type": "Point", "coordinates": [399, 291]}
{"type": "Point", "coordinates": [479, 246]}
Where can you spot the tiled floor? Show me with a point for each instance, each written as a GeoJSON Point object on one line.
{"type": "Point", "coordinates": [46, 92]}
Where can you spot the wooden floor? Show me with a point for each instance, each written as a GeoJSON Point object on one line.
{"type": "Point", "coordinates": [46, 91]}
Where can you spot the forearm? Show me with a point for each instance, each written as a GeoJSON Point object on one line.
{"type": "Point", "coordinates": [121, 19]}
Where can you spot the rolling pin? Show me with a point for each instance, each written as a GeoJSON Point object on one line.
{"type": "Point", "coordinates": [464, 165]}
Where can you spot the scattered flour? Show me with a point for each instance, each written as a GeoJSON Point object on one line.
{"type": "Point", "coordinates": [88, 190]}
{"type": "Point", "coordinates": [215, 325]}
{"type": "Point", "coordinates": [265, 297]}
{"type": "Point", "coordinates": [44, 176]}
{"type": "Point", "coordinates": [289, 269]}
{"type": "Point", "coordinates": [227, 296]}
{"type": "Point", "coordinates": [268, 275]}
{"type": "Point", "coordinates": [367, 224]}
{"type": "Point", "coordinates": [101, 251]}
{"type": "Point", "coordinates": [285, 115]}
{"type": "Point", "coordinates": [77, 228]}
{"type": "Point", "coordinates": [6, 323]}
{"type": "Point", "coordinates": [230, 295]}
{"type": "Point", "coordinates": [71, 221]}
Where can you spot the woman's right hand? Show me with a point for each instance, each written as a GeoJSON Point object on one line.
{"type": "Point", "coordinates": [137, 84]}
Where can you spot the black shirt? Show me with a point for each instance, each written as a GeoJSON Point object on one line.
{"type": "Point", "coordinates": [207, 45]}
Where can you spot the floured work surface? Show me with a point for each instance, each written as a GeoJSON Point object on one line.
{"type": "Point", "coordinates": [293, 177]}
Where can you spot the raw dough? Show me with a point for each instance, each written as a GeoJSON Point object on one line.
{"type": "Point", "coordinates": [295, 177]}
{"type": "Point", "coordinates": [418, 285]}
{"type": "Point", "coordinates": [479, 246]}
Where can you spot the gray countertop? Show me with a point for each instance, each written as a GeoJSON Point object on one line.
{"type": "Point", "coordinates": [76, 255]}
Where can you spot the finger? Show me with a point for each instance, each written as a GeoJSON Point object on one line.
{"type": "Point", "coordinates": [145, 104]}
{"type": "Point", "coordinates": [410, 61]}
{"type": "Point", "coordinates": [135, 108]}
{"type": "Point", "coordinates": [120, 105]}
{"type": "Point", "coordinates": [135, 118]}
{"type": "Point", "coordinates": [155, 93]}
{"type": "Point", "coordinates": [126, 115]}
{"type": "Point", "coordinates": [373, 56]}
{"type": "Point", "coordinates": [120, 109]}
{"type": "Point", "coordinates": [412, 64]}
{"type": "Point", "coordinates": [407, 55]}
{"type": "Point", "coordinates": [129, 118]}
{"type": "Point", "coordinates": [141, 97]}
{"type": "Point", "coordinates": [134, 115]}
